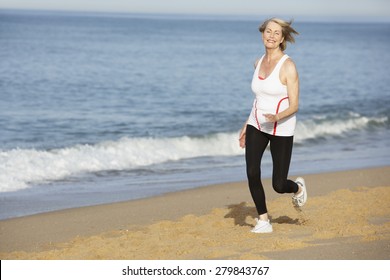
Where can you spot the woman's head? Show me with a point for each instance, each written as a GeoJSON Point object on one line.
{"type": "Point", "coordinates": [287, 31]}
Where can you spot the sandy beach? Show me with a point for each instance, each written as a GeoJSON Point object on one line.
{"type": "Point", "coordinates": [347, 217]}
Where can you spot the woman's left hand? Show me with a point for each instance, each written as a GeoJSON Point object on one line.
{"type": "Point", "coordinates": [271, 118]}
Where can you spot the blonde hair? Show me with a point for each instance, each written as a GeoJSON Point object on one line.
{"type": "Point", "coordinates": [287, 31]}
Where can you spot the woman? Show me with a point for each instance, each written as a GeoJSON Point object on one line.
{"type": "Point", "coordinates": [272, 120]}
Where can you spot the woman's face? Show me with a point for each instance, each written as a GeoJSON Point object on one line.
{"type": "Point", "coordinates": [272, 35]}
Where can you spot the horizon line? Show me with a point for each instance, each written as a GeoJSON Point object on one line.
{"type": "Point", "coordinates": [208, 16]}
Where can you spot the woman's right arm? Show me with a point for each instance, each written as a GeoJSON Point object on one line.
{"type": "Point", "coordinates": [242, 136]}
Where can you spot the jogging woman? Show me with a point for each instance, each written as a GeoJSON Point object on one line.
{"type": "Point", "coordinates": [272, 120]}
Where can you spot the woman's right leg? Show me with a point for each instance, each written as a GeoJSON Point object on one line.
{"type": "Point", "coordinates": [255, 144]}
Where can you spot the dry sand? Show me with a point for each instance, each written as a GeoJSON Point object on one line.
{"type": "Point", "coordinates": [347, 217]}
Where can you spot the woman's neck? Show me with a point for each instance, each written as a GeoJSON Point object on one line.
{"type": "Point", "coordinates": [273, 54]}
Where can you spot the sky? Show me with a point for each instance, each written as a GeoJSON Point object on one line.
{"type": "Point", "coordinates": [374, 9]}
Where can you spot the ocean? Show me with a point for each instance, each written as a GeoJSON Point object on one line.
{"type": "Point", "coordinates": [100, 108]}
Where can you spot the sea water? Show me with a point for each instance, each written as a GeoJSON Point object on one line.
{"type": "Point", "coordinates": [97, 108]}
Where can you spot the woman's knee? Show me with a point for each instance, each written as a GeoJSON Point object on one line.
{"type": "Point", "coordinates": [279, 185]}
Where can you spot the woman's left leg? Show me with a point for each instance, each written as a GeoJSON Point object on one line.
{"type": "Point", "coordinates": [281, 151]}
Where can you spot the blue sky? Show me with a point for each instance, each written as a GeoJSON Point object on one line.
{"type": "Point", "coordinates": [375, 9]}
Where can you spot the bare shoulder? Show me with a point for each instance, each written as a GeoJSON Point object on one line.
{"type": "Point", "coordinates": [256, 62]}
{"type": "Point", "coordinates": [288, 72]}
{"type": "Point", "coordinates": [289, 65]}
{"type": "Point", "coordinates": [289, 68]}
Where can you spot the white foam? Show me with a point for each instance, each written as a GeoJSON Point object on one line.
{"type": "Point", "coordinates": [19, 168]}
{"type": "Point", "coordinates": [323, 127]}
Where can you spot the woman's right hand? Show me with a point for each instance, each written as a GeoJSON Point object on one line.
{"type": "Point", "coordinates": [241, 138]}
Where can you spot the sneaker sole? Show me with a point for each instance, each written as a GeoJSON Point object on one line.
{"type": "Point", "coordinates": [303, 185]}
{"type": "Point", "coordinates": [263, 231]}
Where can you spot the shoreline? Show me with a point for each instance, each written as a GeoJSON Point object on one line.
{"type": "Point", "coordinates": [32, 202]}
{"type": "Point", "coordinates": [41, 232]}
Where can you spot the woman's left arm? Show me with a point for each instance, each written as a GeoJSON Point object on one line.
{"type": "Point", "coordinates": [289, 77]}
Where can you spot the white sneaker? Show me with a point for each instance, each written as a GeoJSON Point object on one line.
{"type": "Point", "coordinates": [262, 227]}
{"type": "Point", "coordinates": [300, 199]}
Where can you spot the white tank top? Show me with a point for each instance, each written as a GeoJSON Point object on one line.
{"type": "Point", "coordinates": [271, 98]}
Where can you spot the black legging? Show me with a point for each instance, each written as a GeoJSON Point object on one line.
{"type": "Point", "coordinates": [281, 149]}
